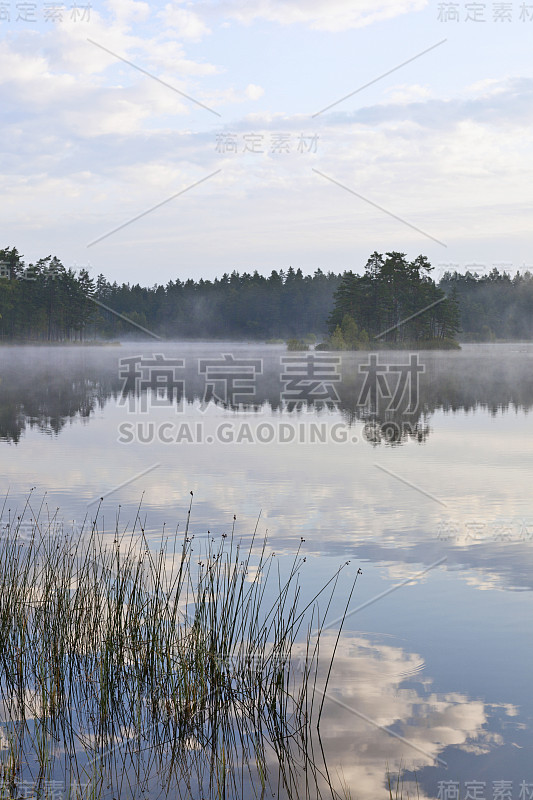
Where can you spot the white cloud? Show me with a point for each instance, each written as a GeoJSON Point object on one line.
{"type": "Point", "coordinates": [184, 22]}
{"type": "Point", "coordinates": [126, 11]}
{"type": "Point", "coordinates": [254, 92]}
{"type": "Point", "coordinates": [325, 15]}
{"type": "Point", "coordinates": [406, 93]}
{"type": "Point", "coordinates": [71, 107]}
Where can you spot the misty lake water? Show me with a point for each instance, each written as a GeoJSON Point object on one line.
{"type": "Point", "coordinates": [434, 505]}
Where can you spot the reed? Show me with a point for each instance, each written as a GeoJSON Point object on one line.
{"type": "Point", "coordinates": [125, 666]}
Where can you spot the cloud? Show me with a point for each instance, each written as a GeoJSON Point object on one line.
{"type": "Point", "coordinates": [184, 22]}
{"type": "Point", "coordinates": [507, 101]}
{"type": "Point", "coordinates": [324, 15]}
{"type": "Point", "coordinates": [126, 11]}
{"type": "Point", "coordinates": [254, 92]}
{"type": "Point", "coordinates": [406, 93]}
{"type": "Point", "coordinates": [70, 108]}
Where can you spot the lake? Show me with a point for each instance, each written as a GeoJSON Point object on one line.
{"type": "Point", "coordinates": [414, 467]}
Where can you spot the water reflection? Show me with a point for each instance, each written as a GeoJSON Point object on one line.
{"type": "Point", "coordinates": [381, 715]}
{"type": "Point", "coordinates": [455, 485]}
{"type": "Point", "coordinates": [380, 718]}
{"type": "Point", "coordinates": [44, 388]}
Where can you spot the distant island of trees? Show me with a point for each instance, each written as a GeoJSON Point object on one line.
{"type": "Point", "coordinates": [394, 301]}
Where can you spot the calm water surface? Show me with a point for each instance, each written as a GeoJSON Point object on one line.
{"type": "Point", "coordinates": [434, 505]}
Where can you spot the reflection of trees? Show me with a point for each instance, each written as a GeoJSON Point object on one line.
{"type": "Point", "coordinates": [46, 396]}
{"type": "Point", "coordinates": [394, 431]}
{"type": "Point", "coordinates": [44, 388]}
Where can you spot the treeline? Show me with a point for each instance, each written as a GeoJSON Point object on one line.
{"type": "Point", "coordinates": [493, 306]}
{"type": "Point", "coordinates": [237, 306]}
{"type": "Point", "coordinates": [45, 301]}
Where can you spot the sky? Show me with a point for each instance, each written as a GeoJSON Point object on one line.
{"type": "Point", "coordinates": [164, 140]}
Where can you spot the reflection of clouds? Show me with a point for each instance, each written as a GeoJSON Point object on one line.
{"type": "Point", "coordinates": [381, 682]}
{"type": "Point", "coordinates": [371, 678]}
{"type": "Point", "coordinates": [486, 581]}
{"type": "Point", "coordinates": [10, 708]}
{"type": "Point", "coordinates": [329, 494]}
{"type": "Point", "coordinates": [403, 572]}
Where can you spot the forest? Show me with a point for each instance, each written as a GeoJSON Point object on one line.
{"type": "Point", "coordinates": [493, 307]}
{"type": "Point", "coordinates": [47, 302]}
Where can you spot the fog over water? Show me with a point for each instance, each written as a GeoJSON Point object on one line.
{"type": "Point", "coordinates": [431, 499]}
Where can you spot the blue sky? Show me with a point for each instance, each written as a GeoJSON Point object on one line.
{"type": "Point", "coordinates": [433, 158]}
